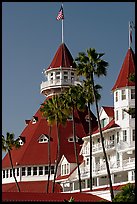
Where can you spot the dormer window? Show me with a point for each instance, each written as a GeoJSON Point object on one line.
{"type": "Point", "coordinates": [43, 139]}
{"type": "Point", "coordinates": [70, 117]}
{"type": "Point", "coordinates": [103, 122]}
{"type": "Point", "coordinates": [34, 119]}
{"type": "Point", "coordinates": [65, 169]}
{"type": "Point", "coordinates": [71, 139]}
{"type": "Point", "coordinates": [21, 140]}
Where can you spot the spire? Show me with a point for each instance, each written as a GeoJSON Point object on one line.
{"type": "Point", "coordinates": [131, 26]}
{"type": "Point", "coordinates": [62, 58]}
{"type": "Point", "coordinates": [127, 68]}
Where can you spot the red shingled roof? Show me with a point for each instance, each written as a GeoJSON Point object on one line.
{"type": "Point", "coordinates": [35, 153]}
{"type": "Point", "coordinates": [128, 68]}
{"type": "Point", "coordinates": [109, 126]}
{"type": "Point", "coordinates": [50, 197]}
{"type": "Point", "coordinates": [31, 186]}
{"type": "Point", "coordinates": [62, 58]}
{"type": "Point", "coordinates": [109, 110]}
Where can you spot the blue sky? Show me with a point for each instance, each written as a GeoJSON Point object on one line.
{"type": "Point", "coordinates": [31, 35]}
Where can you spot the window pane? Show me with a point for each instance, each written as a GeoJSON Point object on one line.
{"type": "Point", "coordinates": [123, 94]}
{"type": "Point", "coordinates": [46, 169]}
{"type": "Point", "coordinates": [29, 171]}
{"type": "Point", "coordinates": [132, 93]}
{"type": "Point", "coordinates": [52, 169]}
{"type": "Point", "coordinates": [35, 170]}
{"type": "Point", "coordinates": [23, 171]}
{"type": "Point", "coordinates": [41, 170]}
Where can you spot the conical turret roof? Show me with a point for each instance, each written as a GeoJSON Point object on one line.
{"type": "Point", "coordinates": [62, 58]}
{"type": "Point", "coordinates": [127, 68]}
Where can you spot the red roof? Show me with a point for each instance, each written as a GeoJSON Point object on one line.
{"type": "Point", "coordinates": [31, 186]}
{"type": "Point", "coordinates": [109, 110]}
{"type": "Point", "coordinates": [62, 58]}
{"type": "Point", "coordinates": [35, 153]}
{"type": "Point", "coordinates": [109, 126]}
{"type": "Point", "coordinates": [128, 68]}
{"type": "Point", "coordinates": [50, 197]}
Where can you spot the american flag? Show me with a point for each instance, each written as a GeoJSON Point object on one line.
{"type": "Point", "coordinates": [60, 14]}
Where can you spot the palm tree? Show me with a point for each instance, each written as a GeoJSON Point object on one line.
{"type": "Point", "coordinates": [45, 110]}
{"type": "Point", "coordinates": [74, 99]}
{"type": "Point", "coordinates": [89, 96]}
{"type": "Point", "coordinates": [55, 111]}
{"type": "Point", "coordinates": [88, 66]}
{"type": "Point", "coordinates": [8, 144]}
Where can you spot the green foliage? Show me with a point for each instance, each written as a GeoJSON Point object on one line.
{"type": "Point", "coordinates": [127, 194]}
{"type": "Point", "coordinates": [132, 77]}
{"type": "Point", "coordinates": [70, 200]}
{"type": "Point", "coordinates": [9, 142]}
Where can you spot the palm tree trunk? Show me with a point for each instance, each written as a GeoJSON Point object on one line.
{"type": "Point", "coordinates": [49, 159]}
{"type": "Point", "coordinates": [102, 141]}
{"type": "Point", "coordinates": [57, 158]}
{"type": "Point", "coordinates": [13, 170]}
{"type": "Point", "coordinates": [89, 114]}
{"type": "Point", "coordinates": [75, 149]}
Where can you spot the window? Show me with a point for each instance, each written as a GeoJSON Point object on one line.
{"type": "Point", "coordinates": [46, 170]}
{"type": "Point", "coordinates": [41, 170]}
{"type": "Point", "coordinates": [3, 173]}
{"type": "Point", "coordinates": [117, 137]}
{"type": "Point", "coordinates": [10, 172]}
{"type": "Point", "coordinates": [103, 122]}
{"type": "Point", "coordinates": [87, 161]}
{"type": "Point", "coordinates": [65, 78]}
{"type": "Point", "coordinates": [133, 135]}
{"type": "Point", "coordinates": [132, 112]}
{"type": "Point", "coordinates": [133, 175]}
{"type": "Point", "coordinates": [52, 169]}
{"type": "Point", "coordinates": [116, 96]}
{"type": "Point", "coordinates": [57, 75]}
{"type": "Point", "coordinates": [71, 139]}
{"type": "Point", "coordinates": [123, 114]}
{"type": "Point", "coordinates": [43, 138]}
{"type": "Point", "coordinates": [98, 140]}
{"type": "Point", "coordinates": [64, 169]}
{"type": "Point", "coordinates": [23, 171]}
{"type": "Point", "coordinates": [116, 114]}
{"type": "Point", "coordinates": [118, 157]}
{"type": "Point", "coordinates": [112, 137]}
{"type": "Point", "coordinates": [124, 135]}
{"type": "Point", "coordinates": [35, 170]}
{"type": "Point", "coordinates": [65, 73]}
{"type": "Point", "coordinates": [29, 171]}
{"type": "Point", "coordinates": [132, 93]}
{"type": "Point", "coordinates": [17, 171]}
{"type": "Point", "coordinates": [72, 73]}
{"type": "Point", "coordinates": [70, 117]}
{"type": "Point", "coordinates": [123, 94]}
{"type": "Point", "coordinates": [7, 173]}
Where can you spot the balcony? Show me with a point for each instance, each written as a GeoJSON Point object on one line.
{"type": "Point", "coordinates": [98, 147]}
{"type": "Point", "coordinates": [115, 166]}
{"type": "Point", "coordinates": [57, 83]}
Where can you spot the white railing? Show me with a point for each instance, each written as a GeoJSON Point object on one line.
{"type": "Point", "coordinates": [98, 147]}
{"type": "Point", "coordinates": [101, 167]}
{"type": "Point", "coordinates": [47, 84]}
{"type": "Point", "coordinates": [128, 162]}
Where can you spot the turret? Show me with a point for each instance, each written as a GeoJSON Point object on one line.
{"type": "Point", "coordinates": [60, 74]}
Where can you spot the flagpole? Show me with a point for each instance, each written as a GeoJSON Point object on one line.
{"type": "Point", "coordinates": [62, 30]}
{"type": "Point", "coordinates": [129, 34]}
{"type": "Point", "coordinates": [62, 27]}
